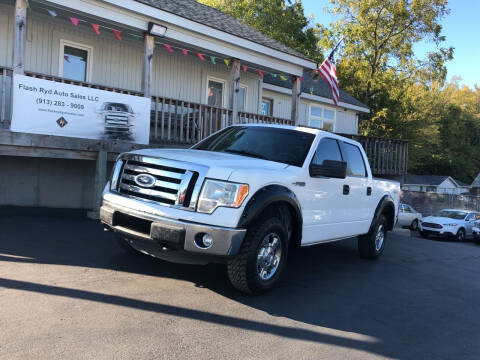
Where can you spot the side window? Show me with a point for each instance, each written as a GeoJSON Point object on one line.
{"type": "Point", "coordinates": [354, 158]}
{"type": "Point", "coordinates": [470, 216]}
{"type": "Point", "coordinates": [328, 149]}
{"type": "Point", "coordinates": [408, 209]}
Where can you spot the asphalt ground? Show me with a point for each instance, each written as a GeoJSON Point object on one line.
{"type": "Point", "coordinates": [68, 291]}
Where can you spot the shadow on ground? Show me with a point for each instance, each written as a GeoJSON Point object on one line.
{"type": "Point", "coordinates": [419, 301]}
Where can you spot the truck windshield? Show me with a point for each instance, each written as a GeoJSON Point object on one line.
{"type": "Point", "coordinates": [274, 144]}
{"type": "Point", "coordinates": [116, 107]}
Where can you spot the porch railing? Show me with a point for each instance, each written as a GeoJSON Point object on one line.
{"type": "Point", "coordinates": [250, 118]}
{"type": "Point", "coordinates": [182, 122]}
{"type": "Point", "coordinates": [386, 156]}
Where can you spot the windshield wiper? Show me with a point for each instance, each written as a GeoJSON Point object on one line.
{"type": "Point", "coordinates": [245, 153]}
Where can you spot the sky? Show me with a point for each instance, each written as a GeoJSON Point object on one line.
{"type": "Point", "coordinates": [460, 27]}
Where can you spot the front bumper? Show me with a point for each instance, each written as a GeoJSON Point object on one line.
{"type": "Point", "coordinates": [438, 232]}
{"type": "Point", "coordinates": [154, 234]}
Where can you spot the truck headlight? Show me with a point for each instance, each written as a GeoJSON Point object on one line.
{"type": "Point", "coordinates": [114, 180]}
{"type": "Point", "coordinates": [217, 193]}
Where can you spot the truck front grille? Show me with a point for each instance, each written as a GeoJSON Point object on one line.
{"type": "Point", "coordinates": [172, 186]}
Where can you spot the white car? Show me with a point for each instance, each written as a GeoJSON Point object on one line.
{"type": "Point", "coordinates": [476, 232]}
{"type": "Point", "coordinates": [408, 217]}
{"type": "Point", "coordinates": [450, 223]}
{"type": "Point", "coordinates": [245, 195]}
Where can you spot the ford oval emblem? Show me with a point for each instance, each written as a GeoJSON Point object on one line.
{"type": "Point", "coordinates": [145, 180]}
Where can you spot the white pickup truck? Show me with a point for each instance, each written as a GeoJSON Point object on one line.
{"type": "Point", "coordinates": [246, 195]}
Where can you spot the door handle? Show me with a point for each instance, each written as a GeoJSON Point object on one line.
{"type": "Point", "coordinates": [346, 189]}
{"type": "Point", "coordinates": [369, 191]}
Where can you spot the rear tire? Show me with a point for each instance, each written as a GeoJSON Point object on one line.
{"type": "Point", "coordinates": [261, 259]}
{"type": "Point", "coordinates": [371, 245]}
{"type": "Point", "coordinates": [414, 225]}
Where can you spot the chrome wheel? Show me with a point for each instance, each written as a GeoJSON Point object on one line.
{"type": "Point", "coordinates": [379, 238]}
{"type": "Point", "coordinates": [268, 256]}
{"type": "Point", "coordinates": [461, 235]}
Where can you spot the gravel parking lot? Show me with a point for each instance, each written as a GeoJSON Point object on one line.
{"type": "Point", "coordinates": [67, 290]}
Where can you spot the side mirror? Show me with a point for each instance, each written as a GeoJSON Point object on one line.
{"type": "Point", "coordinates": [330, 169]}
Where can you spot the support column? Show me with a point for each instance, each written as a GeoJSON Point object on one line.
{"type": "Point", "coordinates": [149, 45]}
{"type": "Point", "coordinates": [234, 88]}
{"type": "Point", "coordinates": [99, 184]}
{"type": "Point", "coordinates": [19, 37]}
{"type": "Point", "coordinates": [296, 91]}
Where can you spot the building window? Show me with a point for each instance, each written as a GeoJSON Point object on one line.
{"type": "Point", "coordinates": [215, 92]}
{"type": "Point", "coordinates": [322, 118]}
{"type": "Point", "coordinates": [242, 98]}
{"type": "Point", "coordinates": [267, 107]}
{"type": "Point", "coordinates": [75, 61]}
{"type": "Point", "coordinates": [431, 189]}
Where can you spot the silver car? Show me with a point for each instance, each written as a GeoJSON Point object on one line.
{"type": "Point", "coordinates": [451, 223]}
{"type": "Point", "coordinates": [408, 217]}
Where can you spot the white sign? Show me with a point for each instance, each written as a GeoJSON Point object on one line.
{"type": "Point", "coordinates": [53, 108]}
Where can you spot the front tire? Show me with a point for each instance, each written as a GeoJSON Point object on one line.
{"type": "Point", "coordinates": [372, 244]}
{"type": "Point", "coordinates": [261, 259]}
{"type": "Point", "coordinates": [460, 237]}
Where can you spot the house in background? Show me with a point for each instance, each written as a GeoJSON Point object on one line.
{"type": "Point", "coordinates": [435, 183]}
{"type": "Point", "coordinates": [202, 69]}
{"type": "Point", "coordinates": [475, 187]}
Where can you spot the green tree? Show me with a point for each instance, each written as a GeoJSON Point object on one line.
{"type": "Point", "coordinates": [378, 39]}
{"type": "Point", "coordinates": [282, 20]}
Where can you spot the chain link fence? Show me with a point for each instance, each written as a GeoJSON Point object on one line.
{"type": "Point", "coordinates": [429, 202]}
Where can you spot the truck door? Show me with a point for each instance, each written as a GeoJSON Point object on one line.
{"type": "Point", "coordinates": [358, 202]}
{"type": "Point", "coordinates": [322, 199]}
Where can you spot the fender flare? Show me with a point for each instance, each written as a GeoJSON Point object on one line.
{"type": "Point", "coordinates": [267, 196]}
{"type": "Point", "coordinates": [385, 203]}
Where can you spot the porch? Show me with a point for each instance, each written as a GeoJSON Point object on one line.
{"type": "Point", "coordinates": [173, 122]}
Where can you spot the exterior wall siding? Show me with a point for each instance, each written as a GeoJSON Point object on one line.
{"type": "Point", "coordinates": [346, 122]}
{"type": "Point", "coordinates": [119, 63]}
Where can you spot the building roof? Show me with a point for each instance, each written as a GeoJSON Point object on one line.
{"type": "Point", "coordinates": [476, 182]}
{"type": "Point", "coordinates": [432, 180]}
{"type": "Point", "coordinates": [317, 87]}
{"type": "Point", "coordinates": [206, 15]}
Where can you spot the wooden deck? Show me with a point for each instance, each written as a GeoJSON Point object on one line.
{"type": "Point", "coordinates": [174, 123]}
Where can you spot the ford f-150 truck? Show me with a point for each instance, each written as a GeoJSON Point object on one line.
{"type": "Point", "coordinates": [245, 196]}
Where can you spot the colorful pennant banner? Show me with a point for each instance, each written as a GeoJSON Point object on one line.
{"type": "Point", "coordinates": [168, 47]}
{"type": "Point", "coordinates": [117, 34]}
{"type": "Point", "coordinates": [74, 21]}
{"type": "Point", "coordinates": [96, 28]}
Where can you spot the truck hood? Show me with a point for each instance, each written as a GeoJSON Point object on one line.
{"type": "Point", "coordinates": [221, 165]}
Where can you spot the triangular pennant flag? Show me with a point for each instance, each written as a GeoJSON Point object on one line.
{"type": "Point", "coordinates": [227, 62]}
{"type": "Point", "coordinates": [168, 47]}
{"type": "Point", "coordinates": [74, 21]}
{"type": "Point", "coordinates": [200, 56]}
{"type": "Point", "coordinates": [212, 59]}
{"type": "Point", "coordinates": [117, 34]}
{"type": "Point", "coordinates": [185, 52]}
{"type": "Point", "coordinates": [96, 28]}
{"type": "Point", "coordinates": [283, 78]}
{"type": "Point", "coordinates": [245, 68]}
{"type": "Point", "coordinates": [260, 73]}
{"type": "Point", "coordinates": [138, 37]}
{"type": "Point", "coordinates": [52, 13]}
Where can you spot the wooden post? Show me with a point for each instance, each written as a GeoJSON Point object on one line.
{"type": "Point", "coordinates": [149, 45]}
{"type": "Point", "coordinates": [99, 184]}
{"type": "Point", "coordinates": [234, 88]}
{"type": "Point", "coordinates": [296, 91]}
{"type": "Point", "coordinates": [19, 37]}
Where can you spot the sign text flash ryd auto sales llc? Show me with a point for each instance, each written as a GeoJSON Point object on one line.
{"type": "Point", "coordinates": [53, 108]}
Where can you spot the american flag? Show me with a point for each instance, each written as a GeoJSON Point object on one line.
{"type": "Point", "coordinates": [329, 73]}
